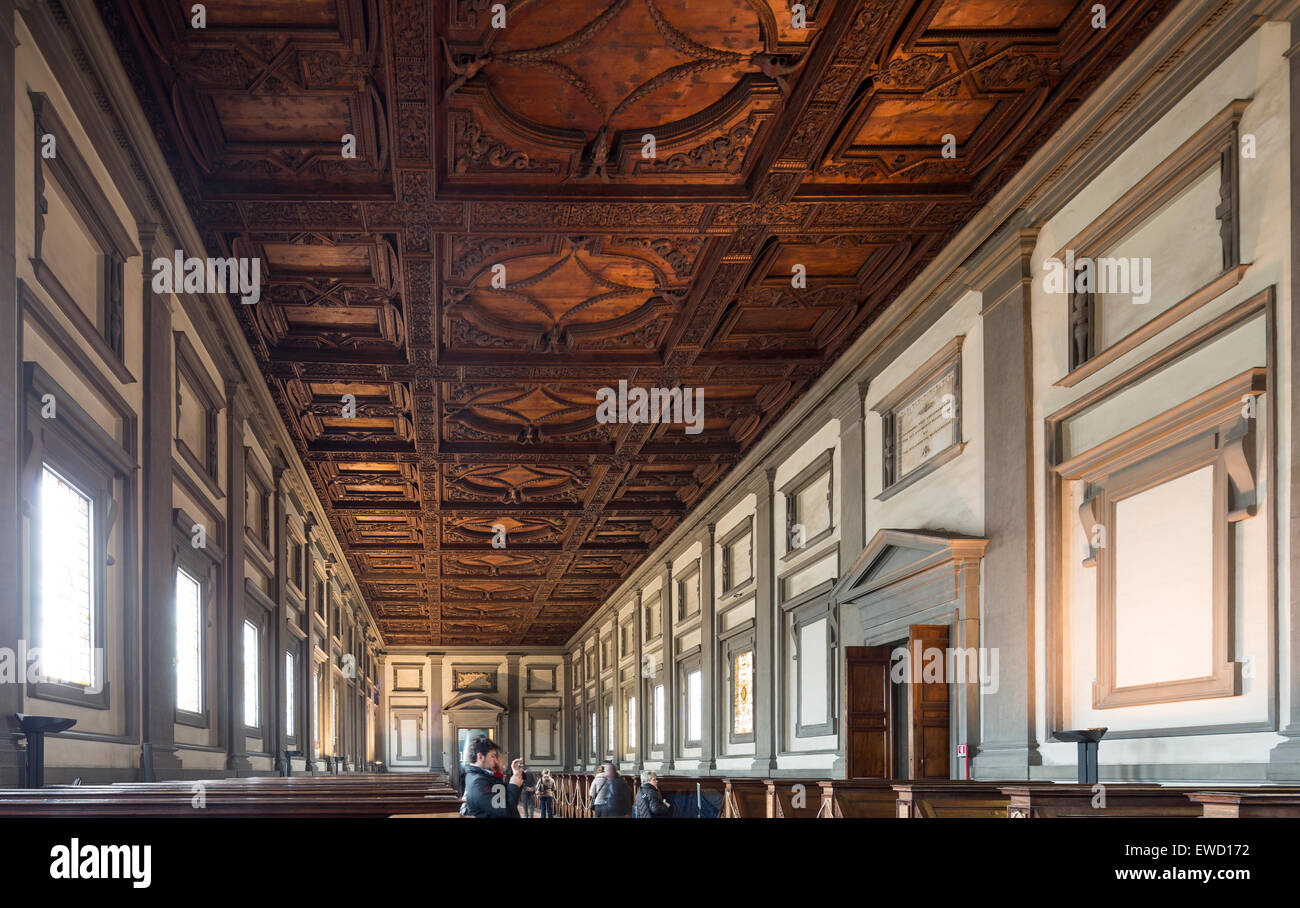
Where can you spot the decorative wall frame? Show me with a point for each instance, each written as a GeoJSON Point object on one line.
{"type": "Point", "coordinates": [1216, 144]}
{"type": "Point", "coordinates": [190, 371]}
{"type": "Point", "coordinates": [79, 184]}
{"type": "Point", "coordinates": [688, 582]}
{"type": "Point", "coordinates": [1206, 431]}
{"type": "Point", "coordinates": [792, 491]}
{"type": "Point", "coordinates": [734, 562]}
{"type": "Point", "coordinates": [474, 677]}
{"type": "Point", "coordinates": [408, 676]}
{"type": "Point", "coordinates": [652, 610]}
{"type": "Point", "coordinates": [258, 485]}
{"type": "Point", "coordinates": [541, 679]}
{"type": "Point", "coordinates": [909, 454]}
{"type": "Point", "coordinates": [1258, 305]}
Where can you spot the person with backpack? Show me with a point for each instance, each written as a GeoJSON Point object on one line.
{"type": "Point", "coordinates": [650, 803]}
{"type": "Point", "coordinates": [613, 797]}
{"type": "Point", "coordinates": [546, 791]}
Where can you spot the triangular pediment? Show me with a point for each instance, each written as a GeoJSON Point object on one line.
{"type": "Point", "coordinates": [471, 700]}
{"type": "Point", "coordinates": [894, 555]}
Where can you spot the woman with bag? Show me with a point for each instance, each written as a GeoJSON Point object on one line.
{"type": "Point", "coordinates": [546, 789]}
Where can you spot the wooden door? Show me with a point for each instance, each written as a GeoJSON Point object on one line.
{"type": "Point", "coordinates": [867, 744]}
{"type": "Point", "coordinates": [928, 725]}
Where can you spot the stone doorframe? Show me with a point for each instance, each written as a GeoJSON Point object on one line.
{"type": "Point", "coordinates": [906, 577]}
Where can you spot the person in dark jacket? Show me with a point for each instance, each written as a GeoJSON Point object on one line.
{"type": "Point", "coordinates": [530, 789]}
{"type": "Point", "coordinates": [615, 797]}
{"type": "Point", "coordinates": [650, 803]}
{"type": "Point", "coordinates": [486, 794]}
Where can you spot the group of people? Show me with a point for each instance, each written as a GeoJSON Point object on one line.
{"type": "Point", "coordinates": [487, 792]}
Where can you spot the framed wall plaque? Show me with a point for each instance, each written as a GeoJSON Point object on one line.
{"type": "Point", "coordinates": [474, 677]}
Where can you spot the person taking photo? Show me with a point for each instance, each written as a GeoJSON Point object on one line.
{"type": "Point", "coordinates": [487, 794]}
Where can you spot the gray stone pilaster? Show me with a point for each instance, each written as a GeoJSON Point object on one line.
{"type": "Point", "coordinates": [851, 479]}
{"type": "Point", "coordinates": [1284, 758]}
{"type": "Point", "coordinates": [765, 624]}
{"type": "Point", "coordinates": [514, 743]}
{"type": "Point", "coordinates": [638, 617]}
{"type": "Point", "coordinates": [711, 744]}
{"type": "Point", "coordinates": [1007, 745]}
{"type": "Point", "coordinates": [437, 746]}
{"type": "Point", "coordinates": [568, 718]}
{"type": "Point", "coordinates": [670, 667]}
{"type": "Point", "coordinates": [11, 418]}
{"type": "Point", "coordinates": [236, 413]}
{"type": "Point", "coordinates": [158, 756]}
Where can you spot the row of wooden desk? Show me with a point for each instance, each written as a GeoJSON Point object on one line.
{"type": "Point", "coordinates": [350, 796]}
{"type": "Point", "coordinates": [428, 794]}
{"type": "Point", "coordinates": [872, 798]}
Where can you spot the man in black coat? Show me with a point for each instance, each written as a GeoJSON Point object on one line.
{"type": "Point", "coordinates": [650, 802]}
{"type": "Point", "coordinates": [486, 795]}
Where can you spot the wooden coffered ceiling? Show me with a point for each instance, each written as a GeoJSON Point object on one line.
{"type": "Point", "coordinates": [524, 147]}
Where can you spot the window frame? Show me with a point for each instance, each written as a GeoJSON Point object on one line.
{"type": "Point", "coordinates": [801, 615]}
{"type": "Point", "coordinates": [260, 676]}
{"type": "Point", "coordinates": [65, 465]}
{"type": "Point", "coordinates": [741, 640]}
{"type": "Point", "coordinates": [290, 695]}
{"type": "Point", "coordinates": [685, 668]}
{"type": "Point", "coordinates": [630, 707]}
{"type": "Point", "coordinates": [94, 462]}
{"type": "Point", "coordinates": [204, 565]}
{"type": "Point", "coordinates": [659, 698]}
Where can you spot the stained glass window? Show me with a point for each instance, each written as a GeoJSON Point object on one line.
{"type": "Point", "coordinates": [189, 642]}
{"type": "Point", "coordinates": [742, 693]}
{"type": "Point", "coordinates": [67, 611]}
{"type": "Point", "coordinates": [252, 702]}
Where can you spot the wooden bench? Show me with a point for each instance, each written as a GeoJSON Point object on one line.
{"type": "Point", "coordinates": [918, 800]}
{"type": "Point", "coordinates": [1283, 802]}
{"type": "Point", "coordinates": [857, 799]}
{"type": "Point", "coordinates": [793, 798]}
{"type": "Point", "coordinates": [693, 797]}
{"type": "Point", "coordinates": [1121, 799]}
{"type": "Point", "coordinates": [246, 798]}
{"type": "Point", "coordinates": [744, 798]}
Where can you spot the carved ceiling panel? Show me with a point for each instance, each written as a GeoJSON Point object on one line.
{"type": "Point", "coordinates": [469, 233]}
